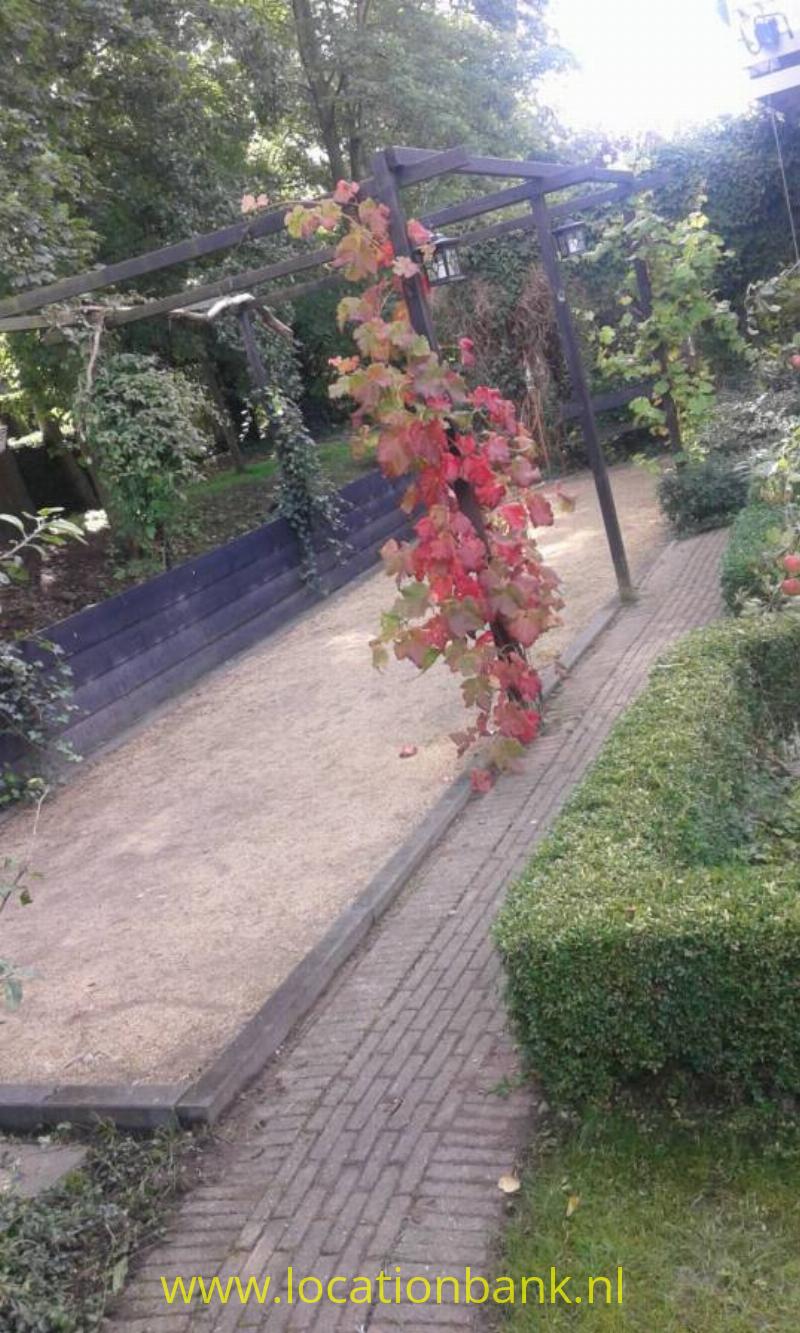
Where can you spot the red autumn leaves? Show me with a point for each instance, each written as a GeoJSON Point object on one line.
{"type": "Point", "coordinates": [473, 591]}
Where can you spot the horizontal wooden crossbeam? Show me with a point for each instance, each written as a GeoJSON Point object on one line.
{"type": "Point", "coordinates": [607, 402]}
{"type": "Point", "coordinates": [410, 166]}
{"type": "Point", "coordinates": [196, 247]}
{"type": "Point", "coordinates": [476, 165]}
{"type": "Point", "coordinates": [473, 208]}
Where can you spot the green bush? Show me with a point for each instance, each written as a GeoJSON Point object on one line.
{"type": "Point", "coordinates": [644, 937]}
{"type": "Point", "coordinates": [748, 564]}
{"type": "Point", "coordinates": [696, 496]}
{"type": "Point", "coordinates": [741, 423]}
{"type": "Point", "coordinates": [144, 427]}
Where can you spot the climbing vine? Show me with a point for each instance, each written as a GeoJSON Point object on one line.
{"type": "Point", "coordinates": [682, 258]}
{"type": "Point", "coordinates": [473, 590]}
{"type": "Point", "coordinates": [305, 498]}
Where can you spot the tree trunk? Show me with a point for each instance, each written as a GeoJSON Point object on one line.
{"type": "Point", "coordinates": [319, 85]}
{"type": "Point", "coordinates": [80, 480]}
{"type": "Point", "coordinates": [14, 497]}
{"type": "Point", "coordinates": [225, 423]}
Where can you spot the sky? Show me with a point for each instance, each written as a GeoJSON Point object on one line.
{"type": "Point", "coordinates": [645, 65]}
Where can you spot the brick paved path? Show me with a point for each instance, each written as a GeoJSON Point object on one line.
{"type": "Point", "coordinates": [376, 1139]}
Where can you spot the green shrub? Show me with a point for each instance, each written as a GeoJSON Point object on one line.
{"type": "Point", "coordinates": [748, 564]}
{"type": "Point", "coordinates": [643, 938]}
{"type": "Point", "coordinates": [696, 496]}
{"type": "Point", "coordinates": [742, 423]}
{"type": "Point", "coordinates": [142, 425]}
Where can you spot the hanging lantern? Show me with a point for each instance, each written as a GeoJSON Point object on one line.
{"type": "Point", "coordinates": [444, 264]}
{"type": "Point", "coordinates": [570, 238]}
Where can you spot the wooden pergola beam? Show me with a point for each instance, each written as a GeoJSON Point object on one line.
{"type": "Point", "coordinates": [182, 252]}
{"type": "Point", "coordinates": [473, 208]}
{"type": "Point", "coordinates": [473, 165]}
{"type": "Point", "coordinates": [607, 402]}
{"type": "Point", "coordinates": [408, 166]}
{"type": "Point", "coordinates": [435, 164]}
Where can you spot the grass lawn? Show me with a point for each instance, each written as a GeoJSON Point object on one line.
{"type": "Point", "coordinates": [704, 1221]}
{"type": "Point", "coordinates": [226, 504]}
{"type": "Point", "coordinates": [334, 455]}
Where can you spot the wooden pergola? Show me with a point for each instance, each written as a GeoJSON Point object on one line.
{"type": "Point", "coordinates": [393, 169]}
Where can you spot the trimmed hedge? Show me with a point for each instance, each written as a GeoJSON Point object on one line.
{"type": "Point", "coordinates": [755, 536]}
{"type": "Point", "coordinates": [696, 496]}
{"type": "Point", "coordinates": [641, 939]}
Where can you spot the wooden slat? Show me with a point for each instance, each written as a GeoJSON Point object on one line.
{"type": "Point", "coordinates": [472, 208]}
{"type": "Point", "coordinates": [483, 166]}
{"type": "Point", "coordinates": [606, 402]}
{"type": "Point", "coordinates": [649, 180]}
{"type": "Point", "coordinates": [498, 229]}
{"type": "Point", "coordinates": [427, 168]}
{"type": "Point", "coordinates": [581, 175]}
{"type": "Point", "coordinates": [239, 282]}
{"type": "Point", "coordinates": [583, 202]}
{"type": "Point", "coordinates": [195, 247]}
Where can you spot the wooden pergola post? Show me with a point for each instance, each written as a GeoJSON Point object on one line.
{"type": "Point", "coordinates": [421, 318]}
{"type": "Point", "coordinates": [583, 394]}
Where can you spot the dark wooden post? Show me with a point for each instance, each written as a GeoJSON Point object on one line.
{"type": "Point", "coordinates": [419, 309]}
{"type": "Point", "coordinates": [421, 318]}
{"type": "Point", "coordinates": [258, 371]}
{"type": "Point", "coordinates": [582, 394]}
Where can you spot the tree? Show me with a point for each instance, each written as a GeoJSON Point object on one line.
{"type": "Point", "coordinates": [373, 72]}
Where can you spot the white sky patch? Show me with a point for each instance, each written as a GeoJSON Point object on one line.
{"type": "Point", "coordinates": [645, 65]}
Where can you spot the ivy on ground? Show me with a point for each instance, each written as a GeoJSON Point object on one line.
{"type": "Point", "coordinates": [65, 1255]}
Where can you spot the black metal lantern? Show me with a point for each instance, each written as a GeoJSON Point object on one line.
{"type": "Point", "coordinates": [570, 238]}
{"type": "Point", "coordinates": [443, 264]}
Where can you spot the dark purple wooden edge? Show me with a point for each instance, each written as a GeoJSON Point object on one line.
{"type": "Point", "coordinates": [135, 650]}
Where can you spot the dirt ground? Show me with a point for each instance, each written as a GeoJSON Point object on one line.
{"type": "Point", "coordinates": [186, 871]}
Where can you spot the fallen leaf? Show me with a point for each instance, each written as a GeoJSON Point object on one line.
{"type": "Point", "coordinates": [565, 502]}
{"type": "Point", "coordinates": [509, 1184]}
{"type": "Point", "coordinates": [573, 1204]}
{"type": "Point", "coordinates": [408, 752]}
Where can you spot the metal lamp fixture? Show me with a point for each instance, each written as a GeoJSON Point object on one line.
{"type": "Point", "coordinates": [570, 238]}
{"type": "Point", "coordinates": [444, 264]}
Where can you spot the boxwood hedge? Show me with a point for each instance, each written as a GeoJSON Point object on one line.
{"type": "Point", "coordinates": [643, 939]}
{"type": "Point", "coordinates": [748, 563]}
{"type": "Point", "coordinates": [703, 494]}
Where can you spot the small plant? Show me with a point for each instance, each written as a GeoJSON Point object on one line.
{"type": "Point", "coordinates": [35, 702]}
{"type": "Point", "coordinates": [304, 497]}
{"type": "Point", "coordinates": [14, 877]}
{"type": "Point", "coordinates": [697, 495]}
{"type": "Point", "coordinates": [140, 422]}
{"type": "Point", "coordinates": [740, 425]}
{"type": "Point", "coordinates": [35, 683]}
